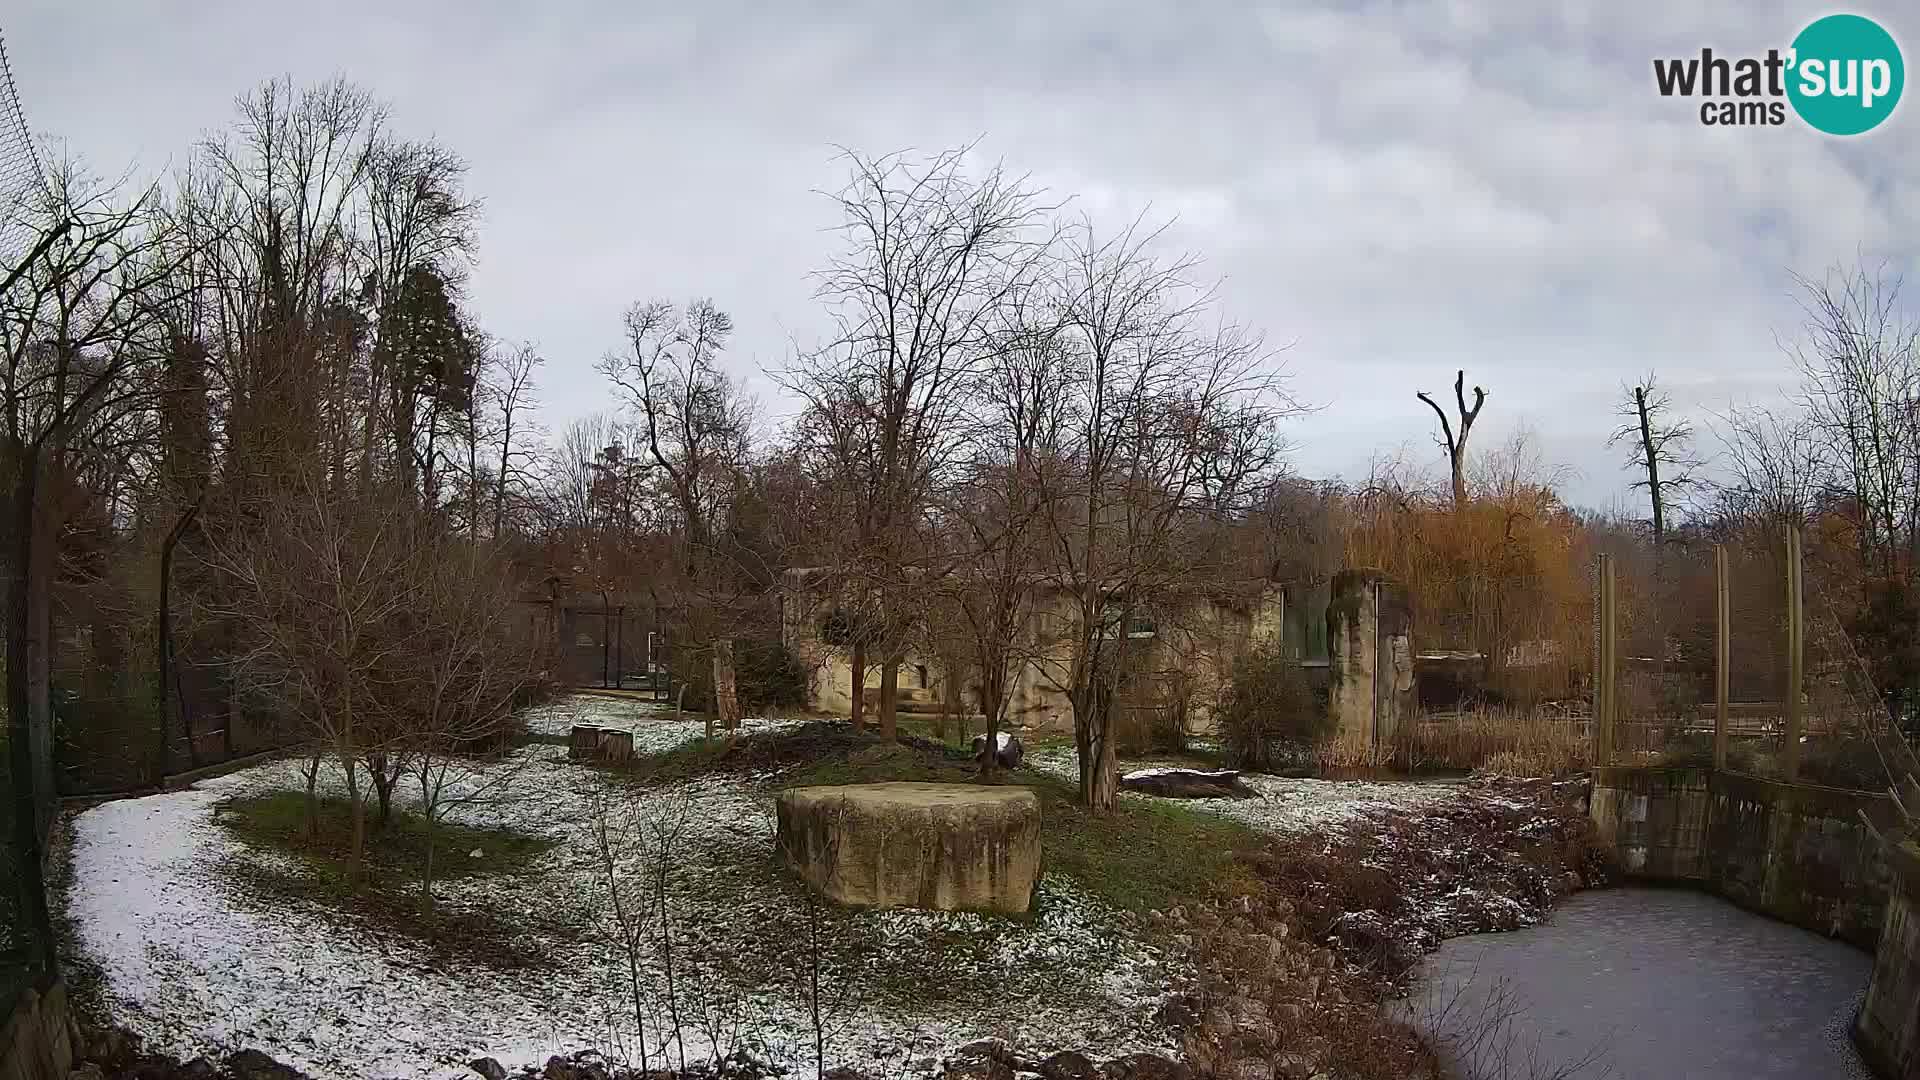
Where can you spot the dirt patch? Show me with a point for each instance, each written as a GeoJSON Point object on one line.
{"type": "Point", "coordinates": [1496, 858]}
{"type": "Point", "coordinates": [1297, 974]}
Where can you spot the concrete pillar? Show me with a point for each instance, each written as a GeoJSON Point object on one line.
{"type": "Point", "coordinates": [1370, 642]}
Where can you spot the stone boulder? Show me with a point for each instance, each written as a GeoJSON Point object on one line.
{"type": "Point", "coordinates": [1008, 754]}
{"type": "Point", "coordinates": [1188, 784]}
{"type": "Point", "coordinates": [951, 847]}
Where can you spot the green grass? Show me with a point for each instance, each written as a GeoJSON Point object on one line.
{"type": "Point", "coordinates": [395, 854]}
{"type": "Point", "coordinates": [388, 897]}
{"type": "Point", "coordinates": [1138, 857]}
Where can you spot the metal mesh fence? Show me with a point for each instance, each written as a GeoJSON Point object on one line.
{"type": "Point", "coordinates": [22, 951]}
{"type": "Point", "coordinates": [21, 179]}
{"type": "Point", "coordinates": [1669, 613]}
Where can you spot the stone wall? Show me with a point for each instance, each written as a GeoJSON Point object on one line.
{"type": "Point", "coordinates": [1188, 652]}
{"type": "Point", "coordinates": [37, 1042]}
{"type": "Point", "coordinates": [1796, 852]}
{"type": "Point", "coordinates": [1887, 1030]}
{"type": "Point", "coordinates": [1370, 640]}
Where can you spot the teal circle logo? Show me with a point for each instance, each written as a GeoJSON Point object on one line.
{"type": "Point", "coordinates": [1846, 74]}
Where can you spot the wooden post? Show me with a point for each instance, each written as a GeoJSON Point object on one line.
{"type": "Point", "coordinates": [1606, 671]}
{"type": "Point", "coordinates": [1796, 648]}
{"type": "Point", "coordinates": [1722, 654]}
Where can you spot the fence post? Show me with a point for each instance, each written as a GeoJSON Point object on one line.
{"type": "Point", "coordinates": [1796, 659]}
{"type": "Point", "coordinates": [1605, 677]}
{"type": "Point", "coordinates": [1722, 654]}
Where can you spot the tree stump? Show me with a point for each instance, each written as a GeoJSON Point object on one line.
{"type": "Point", "coordinates": [951, 847]}
{"type": "Point", "coordinates": [616, 746]}
{"type": "Point", "coordinates": [583, 742]}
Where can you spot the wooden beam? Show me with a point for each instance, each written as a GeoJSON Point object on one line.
{"type": "Point", "coordinates": [1722, 654]}
{"type": "Point", "coordinates": [1606, 674]}
{"type": "Point", "coordinates": [1796, 657]}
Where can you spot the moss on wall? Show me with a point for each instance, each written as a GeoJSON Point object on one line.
{"type": "Point", "coordinates": [1796, 852]}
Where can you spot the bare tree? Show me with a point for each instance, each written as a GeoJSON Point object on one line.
{"type": "Point", "coordinates": [1660, 448]}
{"type": "Point", "coordinates": [694, 423]}
{"type": "Point", "coordinates": [326, 588]}
{"type": "Point", "coordinates": [457, 684]}
{"type": "Point", "coordinates": [995, 508]}
{"type": "Point", "coordinates": [1772, 462]}
{"type": "Point", "coordinates": [1168, 429]}
{"type": "Point", "coordinates": [1456, 444]}
{"type": "Point", "coordinates": [512, 382]}
{"type": "Point", "coordinates": [931, 254]}
{"type": "Point", "coordinates": [420, 234]}
{"type": "Point", "coordinates": [1859, 363]}
{"type": "Point", "coordinates": [77, 333]}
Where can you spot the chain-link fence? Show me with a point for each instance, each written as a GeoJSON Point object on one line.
{"type": "Point", "coordinates": [25, 943]}
{"type": "Point", "coordinates": [1725, 653]}
{"type": "Point", "coordinates": [20, 177]}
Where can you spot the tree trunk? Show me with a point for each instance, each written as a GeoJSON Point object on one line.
{"type": "Point", "coordinates": [26, 833]}
{"type": "Point", "coordinates": [383, 783]}
{"type": "Point", "coordinates": [726, 694]}
{"type": "Point", "coordinates": [356, 854]}
{"type": "Point", "coordinates": [163, 633]}
{"type": "Point", "coordinates": [606, 638]}
{"type": "Point", "coordinates": [1652, 455]}
{"type": "Point", "coordinates": [857, 664]}
{"type": "Point", "coordinates": [1093, 734]}
{"type": "Point", "coordinates": [890, 698]}
{"type": "Point", "coordinates": [949, 701]}
{"type": "Point", "coordinates": [430, 810]}
{"type": "Point", "coordinates": [426, 879]}
{"type": "Point", "coordinates": [1106, 777]}
{"type": "Point", "coordinates": [313, 796]}
{"type": "Point", "coordinates": [42, 563]}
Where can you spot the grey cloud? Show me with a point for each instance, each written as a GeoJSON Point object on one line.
{"type": "Point", "coordinates": [1396, 188]}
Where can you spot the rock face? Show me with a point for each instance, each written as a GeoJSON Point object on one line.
{"type": "Point", "coordinates": [947, 846]}
{"type": "Point", "coordinates": [1188, 784]}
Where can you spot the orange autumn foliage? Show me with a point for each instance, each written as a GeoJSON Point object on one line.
{"type": "Point", "coordinates": [1504, 575]}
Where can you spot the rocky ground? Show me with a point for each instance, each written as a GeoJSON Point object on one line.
{"type": "Point", "coordinates": [1279, 969]}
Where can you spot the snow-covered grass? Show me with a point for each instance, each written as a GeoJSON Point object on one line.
{"type": "Point", "coordinates": [199, 961]}
{"type": "Point", "coordinates": [1285, 806]}
{"type": "Point", "coordinates": [651, 722]}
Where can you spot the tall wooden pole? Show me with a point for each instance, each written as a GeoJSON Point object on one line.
{"type": "Point", "coordinates": [1606, 675]}
{"type": "Point", "coordinates": [1796, 659]}
{"type": "Point", "coordinates": [1722, 654]}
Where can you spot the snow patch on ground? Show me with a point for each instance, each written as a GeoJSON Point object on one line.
{"type": "Point", "coordinates": [651, 723]}
{"type": "Point", "coordinates": [197, 964]}
{"type": "Point", "coordinates": [1169, 770]}
{"type": "Point", "coordinates": [1285, 806]}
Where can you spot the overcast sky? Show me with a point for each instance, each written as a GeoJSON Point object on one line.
{"type": "Point", "coordinates": [1395, 189]}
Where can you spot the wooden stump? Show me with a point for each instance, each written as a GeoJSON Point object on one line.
{"type": "Point", "coordinates": [616, 746]}
{"type": "Point", "coordinates": [583, 742]}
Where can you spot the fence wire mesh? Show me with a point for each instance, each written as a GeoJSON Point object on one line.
{"type": "Point", "coordinates": [21, 178]}
{"type": "Point", "coordinates": [23, 950]}
{"type": "Point", "coordinates": [1667, 679]}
